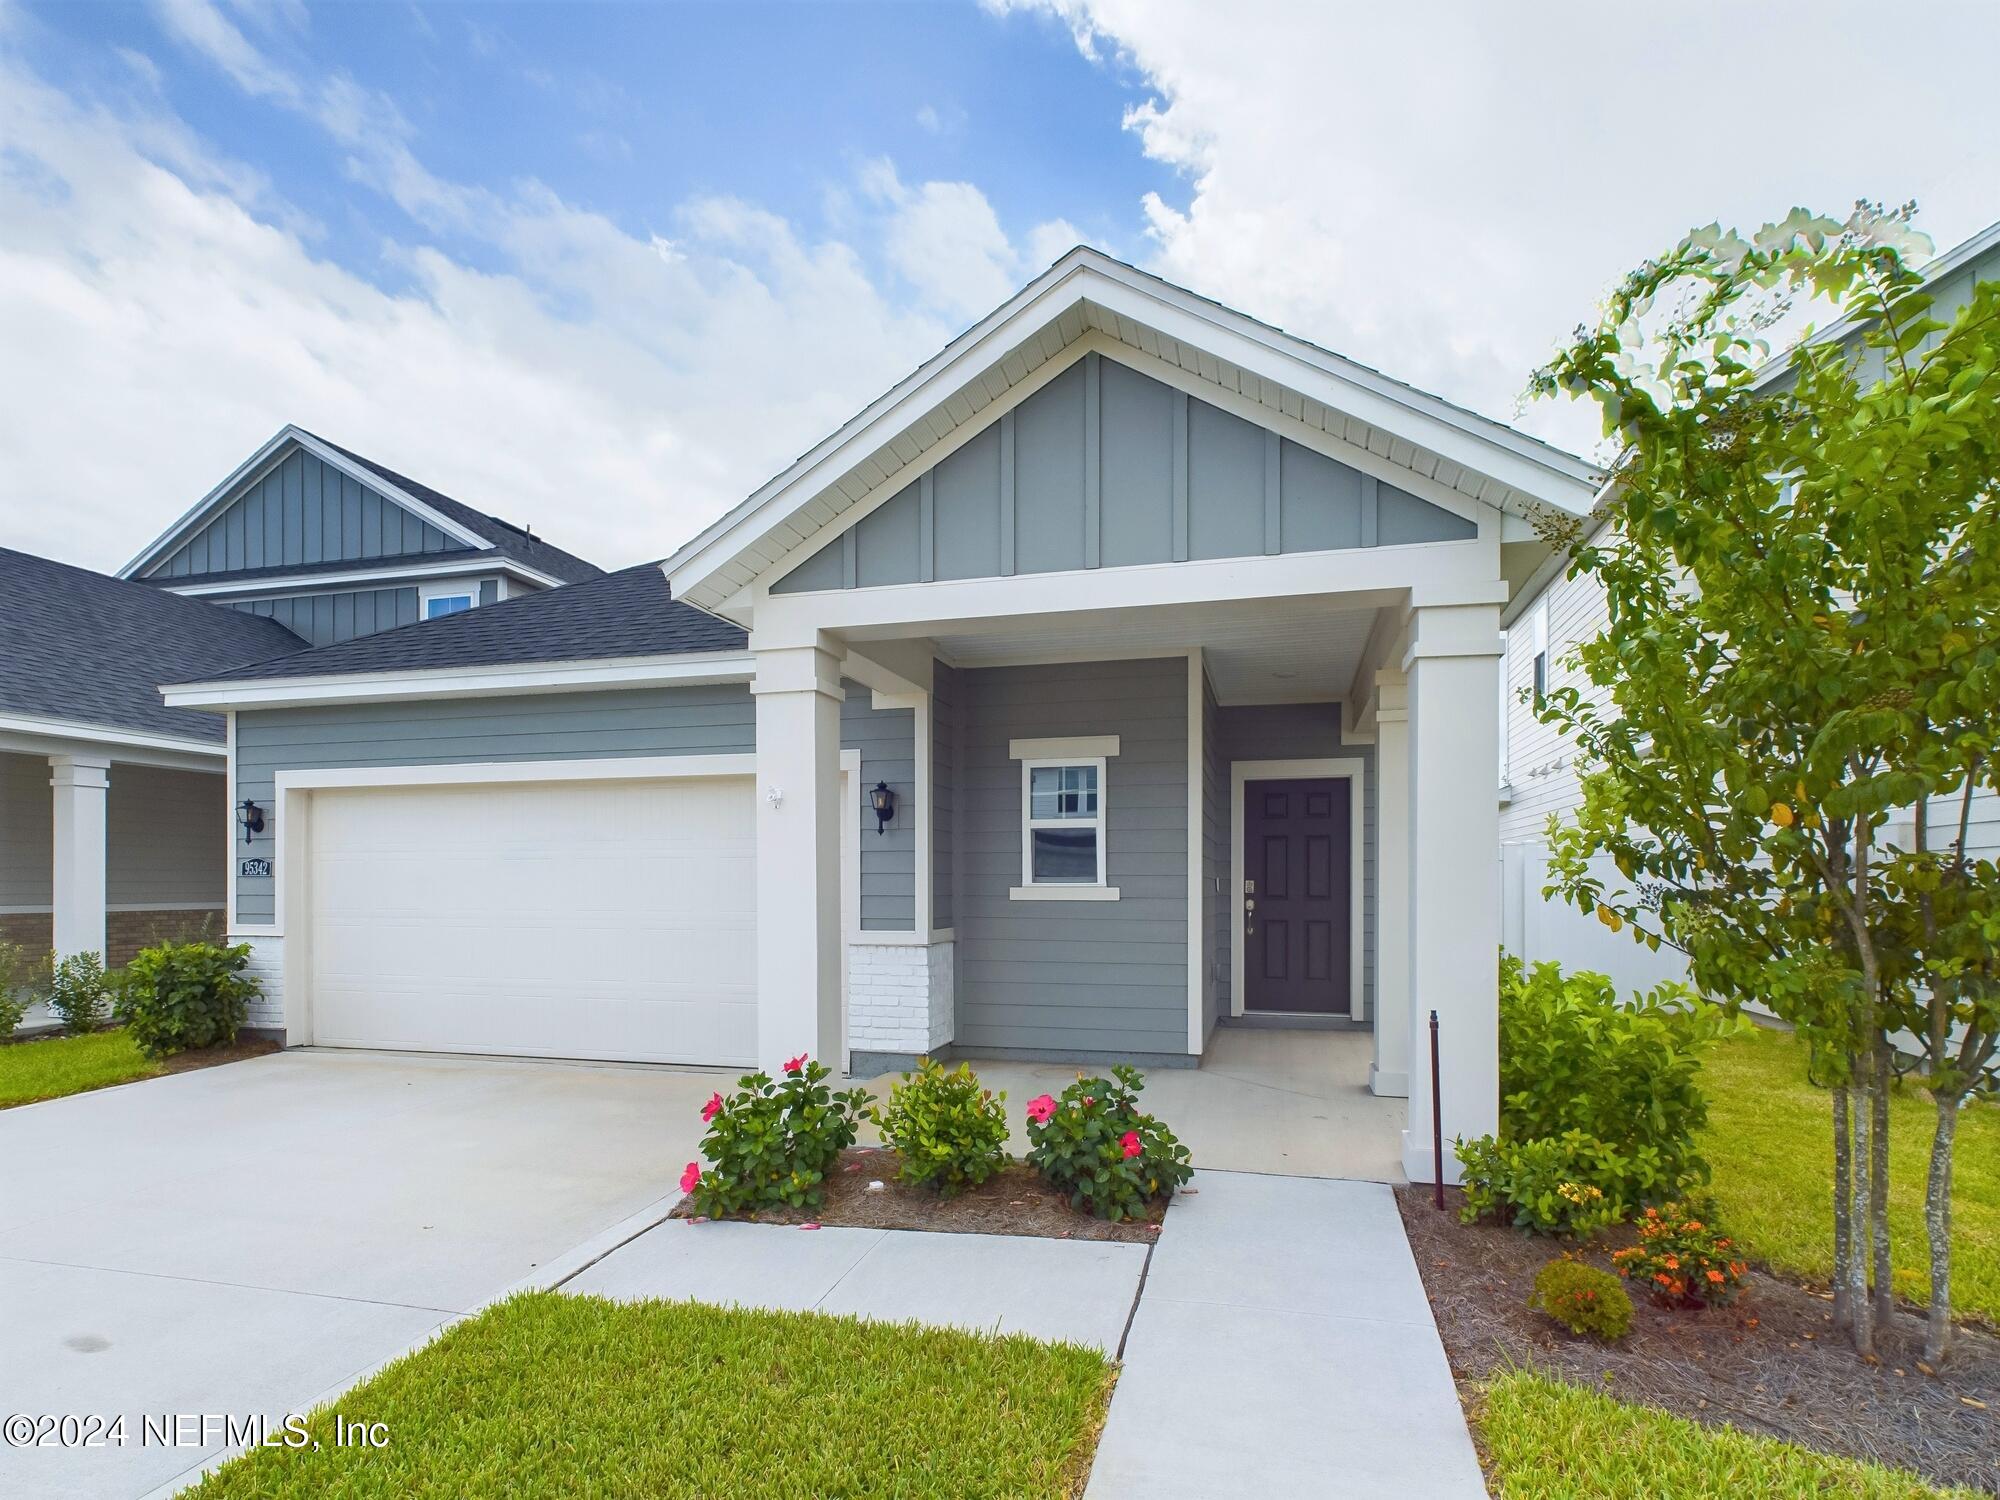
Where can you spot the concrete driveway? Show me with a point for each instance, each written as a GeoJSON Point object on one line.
{"type": "Point", "coordinates": [246, 1238]}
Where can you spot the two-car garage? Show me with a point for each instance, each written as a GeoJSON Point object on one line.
{"type": "Point", "coordinates": [612, 917]}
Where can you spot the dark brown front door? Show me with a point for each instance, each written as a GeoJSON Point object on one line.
{"type": "Point", "coordinates": [1296, 878]}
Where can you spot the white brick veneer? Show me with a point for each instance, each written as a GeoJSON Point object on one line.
{"type": "Point", "coordinates": [899, 996]}
{"type": "Point", "coordinates": [267, 967]}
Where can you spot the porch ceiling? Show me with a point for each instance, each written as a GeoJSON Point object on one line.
{"type": "Point", "coordinates": [1261, 651]}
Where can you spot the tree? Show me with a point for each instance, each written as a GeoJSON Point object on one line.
{"type": "Point", "coordinates": [1801, 657]}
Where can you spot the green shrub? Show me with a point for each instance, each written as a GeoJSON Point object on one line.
{"type": "Point", "coordinates": [80, 993]}
{"type": "Point", "coordinates": [23, 981]}
{"type": "Point", "coordinates": [181, 996]}
{"type": "Point", "coordinates": [1583, 1299]}
{"type": "Point", "coordinates": [1550, 1186]}
{"type": "Point", "coordinates": [1096, 1146]}
{"type": "Point", "coordinates": [771, 1145]}
{"type": "Point", "coordinates": [949, 1131]}
{"type": "Point", "coordinates": [1682, 1258]}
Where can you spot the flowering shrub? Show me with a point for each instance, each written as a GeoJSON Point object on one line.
{"type": "Point", "coordinates": [949, 1132]}
{"type": "Point", "coordinates": [1683, 1260]}
{"type": "Point", "coordinates": [1583, 1299]}
{"type": "Point", "coordinates": [1548, 1186]}
{"type": "Point", "coordinates": [770, 1144]}
{"type": "Point", "coordinates": [1095, 1145]}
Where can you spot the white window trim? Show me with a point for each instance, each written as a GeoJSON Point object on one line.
{"type": "Point", "coordinates": [1080, 750]}
{"type": "Point", "coordinates": [458, 588]}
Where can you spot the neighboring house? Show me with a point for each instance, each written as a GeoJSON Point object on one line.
{"type": "Point", "coordinates": [1126, 669]}
{"type": "Point", "coordinates": [334, 546]}
{"type": "Point", "coordinates": [1550, 616]}
{"type": "Point", "coordinates": [113, 812]}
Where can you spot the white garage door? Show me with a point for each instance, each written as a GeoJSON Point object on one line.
{"type": "Point", "coordinates": [590, 919]}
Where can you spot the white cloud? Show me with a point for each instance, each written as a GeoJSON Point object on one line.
{"type": "Point", "coordinates": [1445, 192]}
{"type": "Point", "coordinates": [617, 390]}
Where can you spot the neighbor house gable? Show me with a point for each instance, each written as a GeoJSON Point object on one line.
{"type": "Point", "coordinates": [1106, 466]}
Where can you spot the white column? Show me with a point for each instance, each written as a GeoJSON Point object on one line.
{"type": "Point", "coordinates": [80, 784]}
{"type": "Point", "coordinates": [799, 940]}
{"type": "Point", "coordinates": [1389, 1071]}
{"type": "Point", "coordinates": [1454, 849]}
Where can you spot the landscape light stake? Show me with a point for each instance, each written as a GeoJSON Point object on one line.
{"type": "Point", "coordinates": [1437, 1122]}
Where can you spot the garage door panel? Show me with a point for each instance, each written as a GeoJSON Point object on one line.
{"type": "Point", "coordinates": [586, 919]}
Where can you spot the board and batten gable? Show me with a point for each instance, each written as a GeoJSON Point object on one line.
{"type": "Point", "coordinates": [710, 720]}
{"type": "Point", "coordinates": [1074, 977]}
{"type": "Point", "coordinates": [1107, 467]}
{"type": "Point", "coordinates": [303, 510]}
{"type": "Point", "coordinates": [335, 615]}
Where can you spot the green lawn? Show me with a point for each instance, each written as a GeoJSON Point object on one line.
{"type": "Point", "coordinates": [68, 1065]}
{"type": "Point", "coordinates": [551, 1395]}
{"type": "Point", "coordinates": [1770, 1140]}
{"type": "Point", "coordinates": [1547, 1440]}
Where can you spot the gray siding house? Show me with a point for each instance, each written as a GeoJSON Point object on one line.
{"type": "Point", "coordinates": [1125, 672]}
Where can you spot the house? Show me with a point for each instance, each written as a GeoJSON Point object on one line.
{"type": "Point", "coordinates": [114, 823]}
{"type": "Point", "coordinates": [332, 546]}
{"type": "Point", "coordinates": [1124, 671]}
{"type": "Point", "coordinates": [1538, 776]}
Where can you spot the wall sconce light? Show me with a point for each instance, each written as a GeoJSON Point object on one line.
{"type": "Point", "coordinates": [250, 818]}
{"type": "Point", "coordinates": [884, 802]}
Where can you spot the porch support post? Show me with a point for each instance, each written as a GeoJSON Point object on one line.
{"type": "Point", "coordinates": [798, 695]}
{"type": "Point", "coordinates": [1452, 665]}
{"type": "Point", "coordinates": [80, 784]}
{"type": "Point", "coordinates": [1389, 1071]}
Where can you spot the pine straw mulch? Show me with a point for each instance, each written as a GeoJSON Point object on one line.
{"type": "Point", "coordinates": [1016, 1201]}
{"type": "Point", "coordinates": [1770, 1362]}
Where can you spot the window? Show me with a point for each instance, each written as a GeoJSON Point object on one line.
{"type": "Point", "coordinates": [1541, 654]}
{"type": "Point", "coordinates": [1063, 806]}
{"type": "Point", "coordinates": [435, 600]}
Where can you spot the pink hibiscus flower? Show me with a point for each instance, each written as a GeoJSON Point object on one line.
{"type": "Point", "coordinates": [796, 1064]}
{"type": "Point", "coordinates": [711, 1109]}
{"type": "Point", "coordinates": [1041, 1110]}
{"type": "Point", "coordinates": [691, 1178]}
{"type": "Point", "coordinates": [1130, 1142]}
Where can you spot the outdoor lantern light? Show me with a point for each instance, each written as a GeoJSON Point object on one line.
{"type": "Point", "coordinates": [884, 802]}
{"type": "Point", "coordinates": [251, 819]}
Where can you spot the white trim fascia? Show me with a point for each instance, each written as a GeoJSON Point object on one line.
{"type": "Point", "coordinates": [1087, 276]}
{"type": "Point", "coordinates": [36, 726]}
{"type": "Point", "coordinates": [1052, 658]}
{"type": "Point", "coordinates": [1243, 771]}
{"type": "Point", "coordinates": [253, 468]}
{"type": "Point", "coordinates": [1067, 747]}
{"type": "Point", "coordinates": [1197, 739]}
{"type": "Point", "coordinates": [505, 772]}
{"type": "Point", "coordinates": [683, 669]}
{"type": "Point", "coordinates": [1063, 893]}
{"type": "Point", "coordinates": [485, 563]}
{"type": "Point", "coordinates": [229, 855]}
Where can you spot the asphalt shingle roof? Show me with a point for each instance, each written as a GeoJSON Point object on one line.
{"type": "Point", "coordinates": [507, 539]}
{"type": "Point", "coordinates": [80, 646]}
{"type": "Point", "coordinates": [628, 613]}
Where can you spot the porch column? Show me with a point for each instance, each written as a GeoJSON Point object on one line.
{"type": "Point", "coordinates": [1389, 1072]}
{"type": "Point", "coordinates": [1452, 667]}
{"type": "Point", "coordinates": [798, 695]}
{"type": "Point", "coordinates": [80, 784]}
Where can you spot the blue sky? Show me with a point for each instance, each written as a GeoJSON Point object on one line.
{"type": "Point", "coordinates": [606, 268]}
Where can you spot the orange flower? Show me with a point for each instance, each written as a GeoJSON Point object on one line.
{"type": "Point", "coordinates": [1716, 1277]}
{"type": "Point", "coordinates": [1663, 1278]}
{"type": "Point", "coordinates": [1673, 1262]}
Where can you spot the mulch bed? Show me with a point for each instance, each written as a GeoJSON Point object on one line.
{"type": "Point", "coordinates": [1016, 1201]}
{"type": "Point", "coordinates": [1770, 1362]}
{"type": "Point", "coordinates": [209, 1057]}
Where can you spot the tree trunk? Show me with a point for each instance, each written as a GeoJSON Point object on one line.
{"type": "Point", "coordinates": [1937, 1224]}
{"type": "Point", "coordinates": [1860, 1310]}
{"type": "Point", "coordinates": [1878, 1188]}
{"type": "Point", "coordinates": [1843, 1177]}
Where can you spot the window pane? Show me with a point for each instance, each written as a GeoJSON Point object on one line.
{"type": "Point", "coordinates": [1062, 792]}
{"type": "Point", "coordinates": [1064, 856]}
{"type": "Point", "coordinates": [447, 604]}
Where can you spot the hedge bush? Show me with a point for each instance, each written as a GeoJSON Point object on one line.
{"type": "Point", "coordinates": [23, 980]}
{"type": "Point", "coordinates": [1583, 1299]}
{"type": "Point", "coordinates": [949, 1131]}
{"type": "Point", "coordinates": [80, 993]}
{"type": "Point", "coordinates": [178, 997]}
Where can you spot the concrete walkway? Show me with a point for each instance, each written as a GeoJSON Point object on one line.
{"type": "Point", "coordinates": [1075, 1290]}
{"type": "Point", "coordinates": [1283, 1346]}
